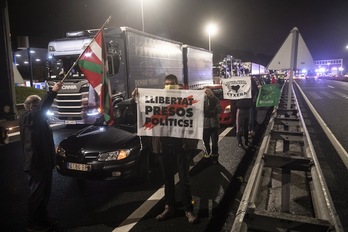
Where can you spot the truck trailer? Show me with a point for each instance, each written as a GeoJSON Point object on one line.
{"type": "Point", "coordinates": [135, 59]}
{"type": "Point", "coordinates": [250, 68]}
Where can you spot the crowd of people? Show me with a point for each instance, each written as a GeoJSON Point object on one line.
{"type": "Point", "coordinates": [174, 154]}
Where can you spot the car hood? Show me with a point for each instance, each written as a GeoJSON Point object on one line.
{"type": "Point", "coordinates": [98, 139]}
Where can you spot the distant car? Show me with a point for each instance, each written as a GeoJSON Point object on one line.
{"type": "Point", "coordinates": [311, 76]}
{"type": "Point", "coordinates": [226, 116]}
{"type": "Point", "coordinates": [104, 152]}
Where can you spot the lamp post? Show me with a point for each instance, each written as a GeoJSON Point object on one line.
{"type": "Point", "coordinates": [142, 14]}
{"type": "Point", "coordinates": [211, 30]}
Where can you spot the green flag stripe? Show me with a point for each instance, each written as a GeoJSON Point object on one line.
{"type": "Point", "coordinates": [93, 67]}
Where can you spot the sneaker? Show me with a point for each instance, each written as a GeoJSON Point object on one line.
{"type": "Point", "coordinates": [191, 218]}
{"type": "Point", "coordinates": [206, 155]}
{"type": "Point", "coordinates": [166, 214]}
{"type": "Point", "coordinates": [215, 158]}
{"type": "Point", "coordinates": [240, 145]}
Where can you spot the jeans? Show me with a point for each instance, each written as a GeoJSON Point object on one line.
{"type": "Point", "coordinates": [242, 125]}
{"type": "Point", "coordinates": [174, 159]}
{"type": "Point", "coordinates": [40, 185]}
{"type": "Point", "coordinates": [211, 133]}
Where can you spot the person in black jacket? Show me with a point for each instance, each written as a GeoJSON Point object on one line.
{"type": "Point", "coordinates": [39, 156]}
{"type": "Point", "coordinates": [243, 115]}
{"type": "Point", "coordinates": [212, 109]}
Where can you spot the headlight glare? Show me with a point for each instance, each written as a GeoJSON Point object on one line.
{"type": "Point", "coordinates": [49, 113]}
{"type": "Point", "coordinates": [93, 111]}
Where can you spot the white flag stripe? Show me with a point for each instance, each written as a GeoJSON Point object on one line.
{"type": "Point", "coordinates": [98, 88]}
{"type": "Point", "coordinates": [96, 49]}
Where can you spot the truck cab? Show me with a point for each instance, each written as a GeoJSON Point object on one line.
{"type": "Point", "coordinates": [77, 102]}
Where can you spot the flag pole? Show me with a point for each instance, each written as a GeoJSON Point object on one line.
{"type": "Point", "coordinates": [78, 58]}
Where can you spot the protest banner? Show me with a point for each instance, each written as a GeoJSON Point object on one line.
{"type": "Point", "coordinates": [170, 113]}
{"type": "Point", "coordinates": [235, 88]}
{"type": "Point", "coordinates": [269, 95]}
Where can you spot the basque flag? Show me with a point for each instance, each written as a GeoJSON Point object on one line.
{"type": "Point", "coordinates": [94, 65]}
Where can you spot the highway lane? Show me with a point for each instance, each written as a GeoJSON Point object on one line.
{"type": "Point", "coordinates": [107, 206]}
{"type": "Point", "coordinates": [122, 206]}
{"type": "Point", "coordinates": [330, 100]}
{"type": "Point", "coordinates": [104, 206]}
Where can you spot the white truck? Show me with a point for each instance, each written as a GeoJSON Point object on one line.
{"type": "Point", "coordinates": [250, 68]}
{"type": "Point", "coordinates": [135, 59]}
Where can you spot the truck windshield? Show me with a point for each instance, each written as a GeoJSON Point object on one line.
{"type": "Point", "coordinates": [58, 66]}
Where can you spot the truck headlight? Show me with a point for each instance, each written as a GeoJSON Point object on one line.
{"type": "Point", "coordinates": [113, 155]}
{"type": "Point", "coordinates": [60, 151]}
{"type": "Point", "coordinates": [93, 112]}
{"type": "Point", "coordinates": [49, 113]}
{"type": "Point", "coordinates": [86, 85]}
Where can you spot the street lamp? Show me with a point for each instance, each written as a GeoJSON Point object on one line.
{"type": "Point", "coordinates": [211, 30]}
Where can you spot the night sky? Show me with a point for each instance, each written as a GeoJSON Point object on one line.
{"type": "Point", "coordinates": [257, 26]}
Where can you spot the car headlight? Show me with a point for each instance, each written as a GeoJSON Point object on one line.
{"type": "Point", "coordinates": [114, 155]}
{"type": "Point", "coordinates": [60, 151]}
{"type": "Point", "coordinates": [227, 109]}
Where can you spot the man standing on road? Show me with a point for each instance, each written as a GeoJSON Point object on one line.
{"type": "Point", "coordinates": [172, 157]}
{"type": "Point", "coordinates": [39, 157]}
{"type": "Point", "coordinates": [212, 109]}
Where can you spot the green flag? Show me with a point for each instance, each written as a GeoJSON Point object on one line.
{"type": "Point", "coordinates": [269, 95]}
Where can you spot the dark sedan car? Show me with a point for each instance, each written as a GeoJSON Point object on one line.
{"type": "Point", "coordinates": [104, 152]}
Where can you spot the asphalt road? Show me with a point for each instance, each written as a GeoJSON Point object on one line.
{"type": "Point", "coordinates": [108, 206]}
{"type": "Point", "coordinates": [132, 206]}
{"type": "Point", "coordinates": [330, 100]}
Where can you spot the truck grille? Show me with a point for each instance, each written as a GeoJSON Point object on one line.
{"type": "Point", "coordinates": [70, 106]}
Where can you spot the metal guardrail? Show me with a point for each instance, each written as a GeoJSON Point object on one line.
{"type": "Point", "coordinates": [286, 190]}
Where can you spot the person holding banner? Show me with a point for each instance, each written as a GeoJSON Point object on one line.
{"type": "Point", "coordinates": [212, 109]}
{"type": "Point", "coordinates": [244, 106]}
{"type": "Point", "coordinates": [243, 115]}
{"type": "Point", "coordinates": [172, 157]}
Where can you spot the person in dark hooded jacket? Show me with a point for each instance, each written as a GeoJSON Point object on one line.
{"type": "Point", "coordinates": [39, 156]}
